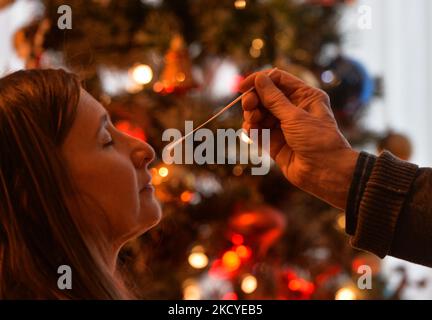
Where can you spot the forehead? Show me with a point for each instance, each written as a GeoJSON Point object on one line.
{"type": "Point", "coordinates": [89, 109]}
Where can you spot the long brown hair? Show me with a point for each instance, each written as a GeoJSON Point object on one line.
{"type": "Point", "coordinates": [38, 231]}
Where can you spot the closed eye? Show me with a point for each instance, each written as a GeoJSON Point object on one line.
{"type": "Point", "coordinates": [108, 144]}
{"type": "Point", "coordinates": [109, 141]}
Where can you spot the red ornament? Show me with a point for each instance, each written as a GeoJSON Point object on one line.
{"type": "Point", "coordinates": [237, 239]}
{"type": "Point", "coordinates": [130, 129]}
{"type": "Point", "coordinates": [260, 227]}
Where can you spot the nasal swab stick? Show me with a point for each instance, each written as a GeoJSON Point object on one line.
{"type": "Point", "coordinates": [173, 144]}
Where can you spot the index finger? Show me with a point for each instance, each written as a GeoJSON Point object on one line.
{"type": "Point", "coordinates": [284, 80]}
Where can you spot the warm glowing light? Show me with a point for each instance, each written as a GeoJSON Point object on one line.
{"type": "Point", "coordinates": [158, 87]}
{"type": "Point", "coordinates": [341, 221]}
{"type": "Point", "coordinates": [191, 292]}
{"type": "Point", "coordinates": [187, 196]}
{"type": "Point", "coordinates": [230, 296]}
{"type": "Point", "coordinates": [258, 43]}
{"type": "Point", "coordinates": [142, 74]}
{"type": "Point", "coordinates": [133, 87]}
{"type": "Point", "coordinates": [301, 285]}
{"type": "Point", "coordinates": [169, 89]}
{"type": "Point", "coordinates": [231, 260]}
{"type": "Point", "coordinates": [180, 77]}
{"type": "Point", "coordinates": [240, 4]}
{"type": "Point", "coordinates": [255, 53]}
{"type": "Point", "coordinates": [163, 172]}
{"type": "Point", "coordinates": [198, 248]}
{"type": "Point", "coordinates": [243, 252]}
{"type": "Point", "coordinates": [156, 179]}
{"type": "Point", "coordinates": [237, 239]}
{"type": "Point", "coordinates": [249, 284]}
{"type": "Point", "coordinates": [295, 285]}
{"type": "Point", "coordinates": [130, 129]}
{"type": "Point", "coordinates": [198, 260]}
{"type": "Point", "coordinates": [345, 294]}
{"type": "Point", "coordinates": [237, 170]}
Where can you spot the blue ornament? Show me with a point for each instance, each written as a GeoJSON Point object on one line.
{"type": "Point", "coordinates": [349, 86]}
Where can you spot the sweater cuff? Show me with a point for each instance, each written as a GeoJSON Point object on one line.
{"type": "Point", "coordinates": [361, 176]}
{"type": "Point", "coordinates": [382, 201]}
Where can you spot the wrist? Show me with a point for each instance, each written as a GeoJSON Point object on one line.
{"type": "Point", "coordinates": [332, 178]}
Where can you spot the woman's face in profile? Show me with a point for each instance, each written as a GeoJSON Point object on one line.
{"type": "Point", "coordinates": [110, 169]}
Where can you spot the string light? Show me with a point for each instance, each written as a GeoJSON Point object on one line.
{"type": "Point", "coordinates": [237, 170]}
{"type": "Point", "coordinates": [186, 196]}
{"type": "Point", "coordinates": [346, 294]}
{"type": "Point", "coordinates": [142, 74]}
{"type": "Point", "coordinates": [301, 285]}
{"type": "Point", "coordinates": [237, 239]}
{"type": "Point", "coordinates": [255, 53]}
{"type": "Point", "coordinates": [328, 76]}
{"type": "Point", "coordinates": [341, 221]}
{"type": "Point", "coordinates": [198, 260]}
{"type": "Point", "coordinates": [180, 77]}
{"type": "Point", "coordinates": [191, 291]}
{"type": "Point", "coordinates": [294, 285]}
{"type": "Point", "coordinates": [133, 87]}
{"type": "Point", "coordinates": [240, 4]}
{"type": "Point", "coordinates": [190, 197]}
{"type": "Point", "coordinates": [243, 252]}
{"type": "Point", "coordinates": [249, 284]}
{"type": "Point", "coordinates": [158, 87]}
{"type": "Point", "coordinates": [156, 179]}
{"type": "Point", "coordinates": [257, 43]}
{"type": "Point", "coordinates": [163, 172]}
{"type": "Point", "coordinates": [231, 260]}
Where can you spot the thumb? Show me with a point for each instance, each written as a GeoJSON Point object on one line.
{"type": "Point", "coordinates": [274, 99]}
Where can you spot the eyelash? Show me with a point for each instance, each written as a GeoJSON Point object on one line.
{"type": "Point", "coordinates": [110, 143]}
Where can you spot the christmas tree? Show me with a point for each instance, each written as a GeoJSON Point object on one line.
{"type": "Point", "coordinates": [226, 234]}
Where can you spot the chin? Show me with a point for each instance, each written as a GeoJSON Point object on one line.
{"type": "Point", "coordinates": [151, 215]}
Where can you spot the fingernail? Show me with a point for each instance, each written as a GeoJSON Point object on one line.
{"type": "Point", "coordinates": [263, 81]}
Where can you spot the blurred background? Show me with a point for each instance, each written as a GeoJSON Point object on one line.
{"type": "Point", "coordinates": [227, 234]}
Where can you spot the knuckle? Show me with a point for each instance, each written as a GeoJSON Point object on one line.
{"type": "Point", "coordinates": [275, 97]}
{"type": "Point", "coordinates": [322, 96]}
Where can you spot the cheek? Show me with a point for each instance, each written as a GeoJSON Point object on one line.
{"type": "Point", "coordinates": [112, 185]}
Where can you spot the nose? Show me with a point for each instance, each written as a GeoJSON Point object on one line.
{"type": "Point", "coordinates": [142, 155]}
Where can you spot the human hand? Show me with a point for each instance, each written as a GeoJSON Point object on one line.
{"type": "Point", "coordinates": [305, 141]}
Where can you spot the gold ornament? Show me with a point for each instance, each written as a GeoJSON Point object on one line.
{"type": "Point", "coordinates": [176, 76]}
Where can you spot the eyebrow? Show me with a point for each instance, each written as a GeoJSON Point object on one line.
{"type": "Point", "coordinates": [102, 122]}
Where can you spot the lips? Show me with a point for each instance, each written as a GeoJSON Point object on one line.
{"type": "Point", "coordinates": [147, 185]}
